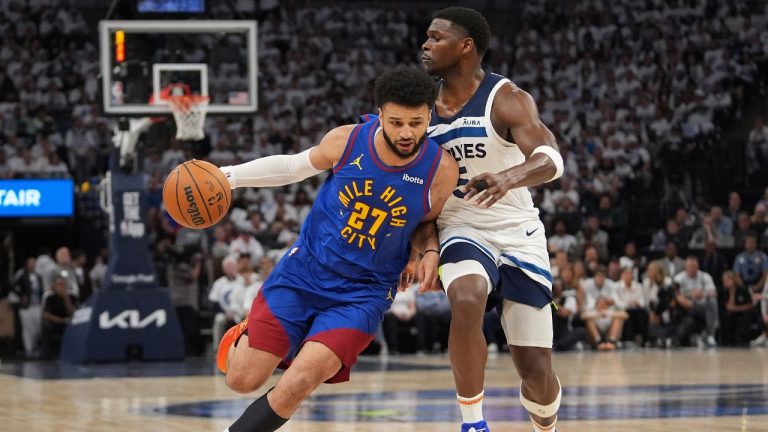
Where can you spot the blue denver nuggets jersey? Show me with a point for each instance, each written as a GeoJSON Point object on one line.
{"type": "Point", "coordinates": [364, 214]}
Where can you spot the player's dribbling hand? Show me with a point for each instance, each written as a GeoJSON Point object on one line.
{"type": "Point", "coordinates": [490, 187]}
{"type": "Point", "coordinates": [426, 272]}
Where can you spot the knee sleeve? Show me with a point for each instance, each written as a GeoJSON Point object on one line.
{"type": "Point", "coordinates": [527, 325]}
{"type": "Point", "coordinates": [544, 411]}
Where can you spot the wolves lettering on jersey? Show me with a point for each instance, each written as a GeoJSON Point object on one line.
{"type": "Point", "coordinates": [471, 139]}
{"type": "Point", "coordinates": [365, 212]}
{"type": "Point", "coordinates": [458, 141]}
{"type": "Point", "coordinates": [468, 151]}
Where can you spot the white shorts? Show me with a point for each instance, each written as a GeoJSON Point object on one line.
{"type": "Point", "coordinates": [515, 263]}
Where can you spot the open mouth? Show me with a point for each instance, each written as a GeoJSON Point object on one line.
{"type": "Point", "coordinates": [405, 145]}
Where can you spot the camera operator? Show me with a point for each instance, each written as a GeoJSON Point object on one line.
{"type": "Point", "coordinates": [183, 271]}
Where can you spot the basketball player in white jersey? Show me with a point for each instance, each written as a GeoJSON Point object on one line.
{"type": "Point", "coordinates": [491, 237]}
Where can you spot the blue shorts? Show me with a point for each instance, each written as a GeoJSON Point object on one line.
{"type": "Point", "coordinates": [509, 282]}
{"type": "Point", "coordinates": [301, 301]}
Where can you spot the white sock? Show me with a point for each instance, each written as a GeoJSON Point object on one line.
{"type": "Point", "coordinates": [471, 408]}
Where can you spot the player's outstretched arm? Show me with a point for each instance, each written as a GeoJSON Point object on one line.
{"type": "Point", "coordinates": [515, 111]}
{"type": "Point", "coordinates": [279, 170]}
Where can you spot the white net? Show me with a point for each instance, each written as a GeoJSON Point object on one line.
{"type": "Point", "coordinates": [189, 113]}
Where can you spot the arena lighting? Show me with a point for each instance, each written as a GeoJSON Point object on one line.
{"type": "Point", "coordinates": [120, 46]}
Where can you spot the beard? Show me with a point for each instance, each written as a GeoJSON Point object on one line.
{"type": "Point", "coordinates": [396, 151]}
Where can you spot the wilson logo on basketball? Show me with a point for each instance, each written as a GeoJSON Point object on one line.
{"type": "Point", "coordinates": [195, 194]}
{"type": "Point", "coordinates": [193, 211]}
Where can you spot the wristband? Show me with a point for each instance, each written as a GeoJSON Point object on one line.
{"type": "Point", "coordinates": [554, 156]}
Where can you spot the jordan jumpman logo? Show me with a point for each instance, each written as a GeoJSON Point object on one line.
{"type": "Point", "coordinates": [357, 162]}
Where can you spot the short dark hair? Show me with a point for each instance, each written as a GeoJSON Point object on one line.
{"type": "Point", "coordinates": [600, 269]}
{"type": "Point", "coordinates": [407, 86]}
{"type": "Point", "coordinates": [472, 22]}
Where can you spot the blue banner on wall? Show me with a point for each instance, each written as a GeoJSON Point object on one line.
{"type": "Point", "coordinates": [37, 198]}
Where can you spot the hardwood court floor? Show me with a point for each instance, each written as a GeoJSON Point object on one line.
{"type": "Point", "coordinates": [721, 390]}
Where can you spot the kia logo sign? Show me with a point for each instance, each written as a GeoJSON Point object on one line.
{"type": "Point", "coordinates": [131, 319]}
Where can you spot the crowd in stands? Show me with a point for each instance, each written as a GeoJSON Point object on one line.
{"type": "Point", "coordinates": [636, 93]}
{"type": "Point", "coordinates": [50, 123]}
{"type": "Point", "coordinates": [45, 293]}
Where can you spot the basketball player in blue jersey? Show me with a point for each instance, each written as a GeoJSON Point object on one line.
{"type": "Point", "coordinates": [491, 237]}
{"type": "Point", "coordinates": [324, 301]}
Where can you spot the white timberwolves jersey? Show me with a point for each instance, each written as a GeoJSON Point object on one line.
{"type": "Point", "coordinates": [469, 136]}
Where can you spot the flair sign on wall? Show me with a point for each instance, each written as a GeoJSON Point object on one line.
{"type": "Point", "coordinates": [37, 198]}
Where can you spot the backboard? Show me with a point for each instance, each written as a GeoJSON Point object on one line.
{"type": "Point", "coordinates": [142, 61]}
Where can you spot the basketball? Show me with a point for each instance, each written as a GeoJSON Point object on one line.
{"type": "Point", "coordinates": [196, 194]}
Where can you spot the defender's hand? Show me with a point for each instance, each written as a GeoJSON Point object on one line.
{"type": "Point", "coordinates": [491, 188]}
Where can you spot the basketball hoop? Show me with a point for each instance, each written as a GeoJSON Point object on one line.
{"type": "Point", "coordinates": [189, 112]}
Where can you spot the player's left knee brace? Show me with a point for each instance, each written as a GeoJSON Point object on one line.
{"type": "Point", "coordinates": [544, 411]}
